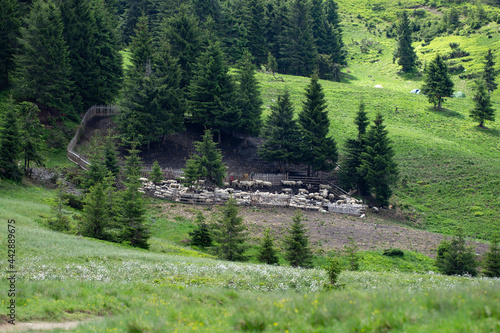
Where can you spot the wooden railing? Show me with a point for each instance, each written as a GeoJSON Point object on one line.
{"type": "Point", "coordinates": [94, 111]}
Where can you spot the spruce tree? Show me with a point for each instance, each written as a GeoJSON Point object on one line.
{"type": "Point", "coordinates": [134, 229]}
{"type": "Point", "coordinates": [10, 145]}
{"type": "Point", "coordinates": [200, 236]}
{"type": "Point", "coordinates": [97, 170]}
{"type": "Point", "coordinates": [184, 37]}
{"type": "Point", "coordinates": [229, 234]}
{"type": "Point", "coordinates": [141, 47]}
{"type": "Point", "coordinates": [350, 176]}
{"type": "Point", "coordinates": [211, 92]}
{"type": "Point", "coordinates": [455, 257]}
{"type": "Point", "coordinates": [277, 13]}
{"type": "Point", "coordinates": [334, 43]}
{"type": "Point", "coordinates": [489, 72]}
{"type": "Point", "coordinates": [281, 134]}
{"type": "Point", "coordinates": [111, 156]}
{"type": "Point", "coordinates": [43, 66]}
{"type": "Point", "coordinates": [318, 151]}
{"type": "Point", "coordinates": [405, 53]}
{"type": "Point", "coordinates": [156, 176]}
{"type": "Point", "coordinates": [254, 21]}
{"type": "Point", "coordinates": [248, 98]}
{"type": "Point", "coordinates": [109, 60]}
{"type": "Point", "coordinates": [299, 51]}
{"type": "Point", "coordinates": [483, 109]}
{"type": "Point", "coordinates": [352, 256]}
{"type": "Point", "coordinates": [9, 26]}
{"type": "Point", "coordinates": [438, 84]}
{"type": "Point", "coordinates": [267, 252]}
{"type": "Point", "coordinates": [95, 219]}
{"type": "Point", "coordinates": [59, 220]}
{"type": "Point", "coordinates": [168, 95]}
{"type": "Point", "coordinates": [491, 259]}
{"type": "Point", "coordinates": [296, 244]}
{"type": "Point", "coordinates": [378, 167]}
{"type": "Point", "coordinates": [206, 163]}
{"type": "Point", "coordinates": [31, 130]}
{"type": "Point", "coordinates": [80, 35]}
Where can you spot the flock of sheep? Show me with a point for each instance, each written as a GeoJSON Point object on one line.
{"type": "Point", "coordinates": [250, 193]}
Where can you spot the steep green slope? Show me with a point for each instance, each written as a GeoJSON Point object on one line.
{"type": "Point", "coordinates": [450, 169]}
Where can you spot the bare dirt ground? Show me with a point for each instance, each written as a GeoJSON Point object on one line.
{"type": "Point", "coordinates": [38, 326]}
{"type": "Point", "coordinates": [328, 231]}
{"type": "Point", "coordinates": [178, 147]}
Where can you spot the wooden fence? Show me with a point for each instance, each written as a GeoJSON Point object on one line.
{"type": "Point", "coordinates": [94, 111]}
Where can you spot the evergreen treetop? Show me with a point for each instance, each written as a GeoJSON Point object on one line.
{"type": "Point", "coordinates": [296, 244]}
{"type": "Point", "coordinates": [489, 72]}
{"type": "Point", "coordinates": [281, 133]}
{"type": "Point", "coordinates": [10, 145]}
{"type": "Point", "coordinates": [438, 84]}
{"type": "Point", "coordinates": [318, 150]}
{"type": "Point", "coordinates": [483, 109]}
{"type": "Point", "coordinates": [267, 252]}
{"type": "Point", "coordinates": [405, 53]}
{"type": "Point", "coordinates": [229, 234]}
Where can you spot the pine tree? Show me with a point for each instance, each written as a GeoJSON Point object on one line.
{"type": "Point", "coordinates": [111, 156]}
{"type": "Point", "coordinates": [43, 66]}
{"type": "Point", "coordinates": [267, 252]}
{"type": "Point", "coordinates": [318, 151]}
{"type": "Point", "coordinates": [109, 60]}
{"type": "Point", "coordinates": [234, 31]}
{"type": "Point", "coordinates": [352, 256]}
{"type": "Point", "coordinates": [491, 259]}
{"type": "Point", "coordinates": [32, 143]}
{"type": "Point", "coordinates": [80, 33]}
{"type": "Point", "coordinates": [438, 84]}
{"type": "Point", "coordinates": [277, 13]}
{"type": "Point", "coordinates": [483, 109]}
{"type": "Point", "coordinates": [135, 231]}
{"type": "Point", "coordinates": [59, 221]}
{"type": "Point", "coordinates": [9, 26]}
{"type": "Point", "coordinates": [405, 53]}
{"type": "Point", "coordinates": [281, 134]}
{"type": "Point", "coordinates": [296, 244]}
{"type": "Point", "coordinates": [248, 98]}
{"type": "Point", "coordinates": [97, 170]}
{"type": "Point", "coordinates": [95, 219]}
{"type": "Point", "coordinates": [350, 176]}
{"type": "Point", "coordinates": [455, 257]}
{"type": "Point", "coordinates": [211, 92]}
{"type": "Point", "coordinates": [299, 52]}
{"type": "Point", "coordinates": [254, 21]}
{"type": "Point", "coordinates": [184, 37]}
{"type": "Point", "coordinates": [200, 236]}
{"type": "Point", "coordinates": [169, 96]}
{"type": "Point", "coordinates": [141, 47]}
{"type": "Point", "coordinates": [10, 145]}
{"type": "Point", "coordinates": [156, 176]}
{"type": "Point", "coordinates": [377, 162]}
{"type": "Point", "coordinates": [206, 163]}
{"type": "Point", "coordinates": [229, 234]}
{"type": "Point", "coordinates": [489, 72]}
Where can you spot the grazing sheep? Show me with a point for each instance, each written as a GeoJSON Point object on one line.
{"type": "Point", "coordinates": [267, 184]}
{"type": "Point", "coordinates": [303, 191]}
{"type": "Point", "coordinates": [287, 190]}
{"type": "Point", "coordinates": [325, 187]}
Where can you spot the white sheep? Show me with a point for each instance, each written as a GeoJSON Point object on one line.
{"type": "Point", "coordinates": [325, 187]}
{"type": "Point", "coordinates": [303, 191]}
{"type": "Point", "coordinates": [267, 184]}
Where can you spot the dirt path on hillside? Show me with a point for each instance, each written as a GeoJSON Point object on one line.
{"type": "Point", "coordinates": [328, 231]}
{"type": "Point", "coordinates": [38, 326]}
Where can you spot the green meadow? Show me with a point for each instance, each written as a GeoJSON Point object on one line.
{"type": "Point", "coordinates": [449, 177]}
{"type": "Point", "coordinates": [116, 288]}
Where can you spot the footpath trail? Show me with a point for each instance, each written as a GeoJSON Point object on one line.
{"type": "Point", "coordinates": [39, 326]}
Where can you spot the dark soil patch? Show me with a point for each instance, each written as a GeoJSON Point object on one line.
{"type": "Point", "coordinates": [173, 153]}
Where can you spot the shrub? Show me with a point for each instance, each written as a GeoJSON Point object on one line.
{"type": "Point", "coordinates": [455, 258]}
{"type": "Point", "coordinates": [394, 253]}
{"type": "Point", "coordinates": [333, 270]}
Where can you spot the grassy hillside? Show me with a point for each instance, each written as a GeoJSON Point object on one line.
{"type": "Point", "coordinates": [64, 277]}
{"type": "Point", "coordinates": [449, 168]}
